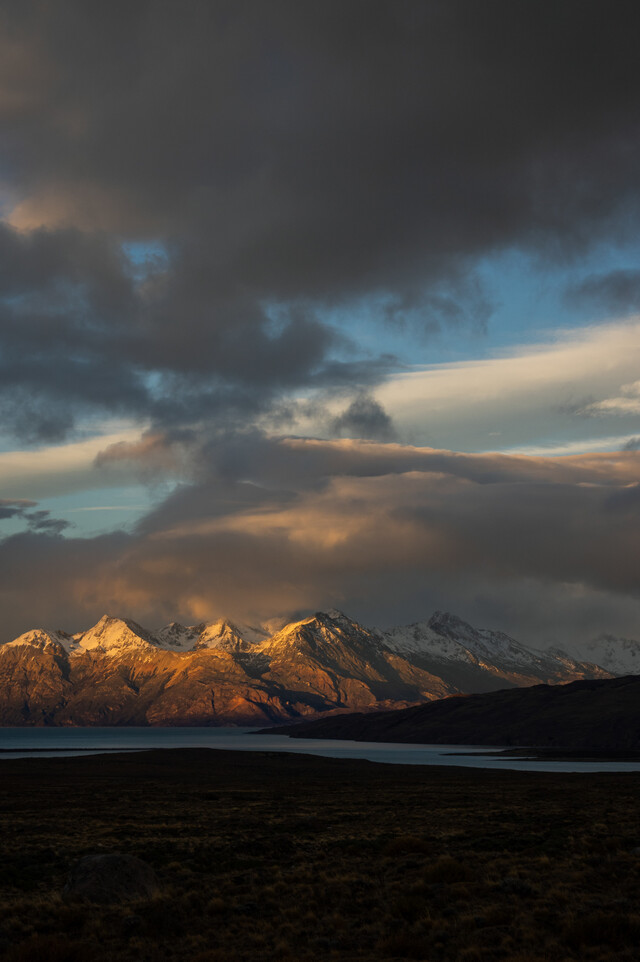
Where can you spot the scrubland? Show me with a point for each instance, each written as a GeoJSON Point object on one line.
{"type": "Point", "coordinates": [280, 857]}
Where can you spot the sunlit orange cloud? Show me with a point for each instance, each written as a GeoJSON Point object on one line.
{"type": "Point", "coordinates": [348, 455]}
{"type": "Point", "coordinates": [86, 206]}
{"type": "Point", "coordinates": [382, 527]}
{"type": "Point", "coordinates": [361, 525]}
{"type": "Point", "coordinates": [283, 458]}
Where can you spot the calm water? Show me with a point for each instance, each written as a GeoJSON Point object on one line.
{"type": "Point", "coordinates": [44, 742]}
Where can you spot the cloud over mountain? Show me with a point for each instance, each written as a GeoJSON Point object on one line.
{"type": "Point", "coordinates": [271, 527]}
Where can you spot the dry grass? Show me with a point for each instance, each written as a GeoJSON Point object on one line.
{"type": "Point", "coordinates": [295, 858]}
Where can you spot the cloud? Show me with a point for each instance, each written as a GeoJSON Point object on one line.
{"type": "Point", "coordinates": [546, 393]}
{"type": "Point", "coordinates": [55, 470]}
{"type": "Point", "coordinates": [383, 530]}
{"type": "Point", "coordinates": [82, 334]}
{"type": "Point", "coordinates": [289, 163]}
{"type": "Point", "coordinates": [364, 418]}
{"type": "Point", "coordinates": [43, 522]}
{"type": "Point", "coordinates": [40, 521]}
{"type": "Point", "coordinates": [14, 508]}
{"type": "Point", "coordinates": [287, 158]}
{"type": "Point", "coordinates": [628, 402]}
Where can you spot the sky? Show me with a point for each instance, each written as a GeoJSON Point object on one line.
{"type": "Point", "coordinates": [309, 306]}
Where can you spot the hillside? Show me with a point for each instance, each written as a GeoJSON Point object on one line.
{"type": "Point", "coordinates": [594, 714]}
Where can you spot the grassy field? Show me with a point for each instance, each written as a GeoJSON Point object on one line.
{"type": "Point", "coordinates": [283, 857]}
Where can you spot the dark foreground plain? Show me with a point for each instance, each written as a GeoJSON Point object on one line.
{"type": "Point", "coordinates": [289, 857]}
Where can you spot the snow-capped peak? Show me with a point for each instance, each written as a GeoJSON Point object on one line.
{"type": "Point", "coordinates": [227, 635]}
{"type": "Point", "coordinates": [42, 639]}
{"type": "Point", "coordinates": [451, 626]}
{"type": "Point", "coordinates": [335, 614]}
{"type": "Point", "coordinates": [621, 656]}
{"type": "Point", "coordinates": [177, 637]}
{"type": "Point", "coordinates": [446, 642]}
{"type": "Point", "coordinates": [115, 635]}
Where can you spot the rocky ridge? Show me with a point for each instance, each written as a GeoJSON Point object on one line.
{"type": "Point", "coordinates": [221, 673]}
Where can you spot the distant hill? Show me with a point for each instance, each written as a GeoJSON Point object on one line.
{"type": "Point", "coordinates": [594, 714]}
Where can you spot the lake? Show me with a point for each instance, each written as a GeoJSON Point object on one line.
{"type": "Point", "coordinates": [49, 742]}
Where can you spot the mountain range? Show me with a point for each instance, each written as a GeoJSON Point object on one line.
{"type": "Point", "coordinates": [221, 673]}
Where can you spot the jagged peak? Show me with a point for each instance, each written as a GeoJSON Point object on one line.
{"type": "Point", "coordinates": [321, 628]}
{"type": "Point", "coordinates": [38, 638]}
{"type": "Point", "coordinates": [176, 636]}
{"type": "Point", "coordinates": [330, 617]}
{"type": "Point", "coordinates": [222, 632]}
{"type": "Point", "coordinates": [109, 621]}
{"type": "Point", "coordinates": [222, 623]}
{"type": "Point", "coordinates": [444, 622]}
{"type": "Point", "coordinates": [335, 614]}
{"type": "Point", "coordinates": [115, 633]}
{"type": "Point", "coordinates": [557, 652]}
{"type": "Point", "coordinates": [448, 621]}
{"type": "Point", "coordinates": [319, 619]}
{"type": "Point", "coordinates": [221, 628]}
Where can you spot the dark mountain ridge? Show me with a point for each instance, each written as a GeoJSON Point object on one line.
{"type": "Point", "coordinates": [598, 714]}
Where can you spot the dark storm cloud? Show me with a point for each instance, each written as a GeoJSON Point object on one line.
{"type": "Point", "coordinates": [78, 334]}
{"type": "Point", "coordinates": [41, 521]}
{"type": "Point", "coordinates": [618, 291]}
{"type": "Point", "coordinates": [287, 158]}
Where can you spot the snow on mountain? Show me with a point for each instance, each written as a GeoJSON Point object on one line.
{"type": "Point", "coordinates": [473, 658]}
{"type": "Point", "coordinates": [114, 636]}
{"type": "Point", "coordinates": [177, 637]}
{"type": "Point", "coordinates": [419, 639]}
{"type": "Point", "coordinates": [227, 673]}
{"type": "Point", "coordinates": [343, 663]}
{"type": "Point", "coordinates": [42, 639]}
{"type": "Point", "coordinates": [326, 634]}
{"type": "Point", "coordinates": [620, 656]}
{"type": "Point", "coordinates": [484, 643]}
{"type": "Point", "coordinates": [228, 636]}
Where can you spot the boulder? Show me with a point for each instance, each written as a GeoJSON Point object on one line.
{"type": "Point", "coordinates": [108, 878]}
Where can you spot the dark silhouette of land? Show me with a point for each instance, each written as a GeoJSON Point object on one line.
{"type": "Point", "coordinates": [600, 716]}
